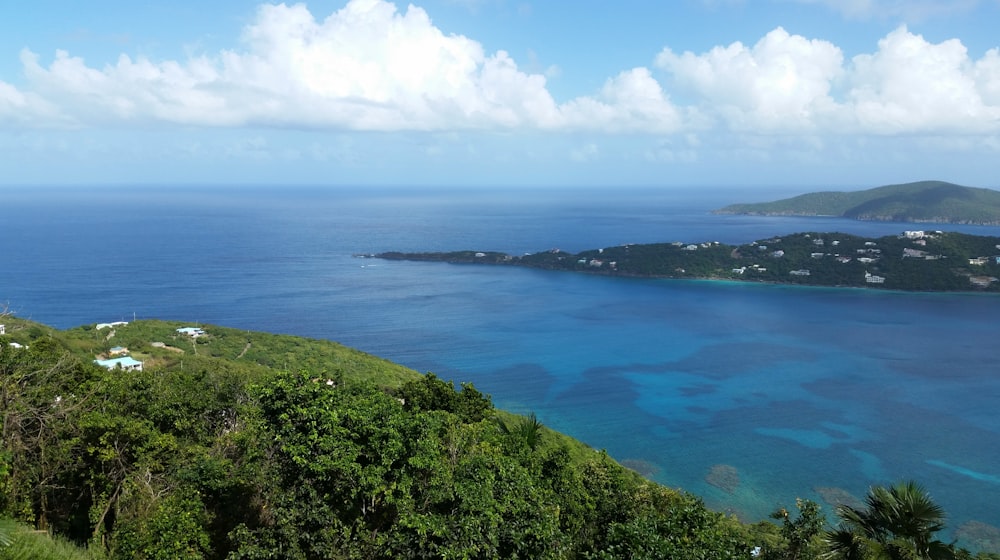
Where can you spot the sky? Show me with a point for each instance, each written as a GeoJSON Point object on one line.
{"type": "Point", "coordinates": [520, 93]}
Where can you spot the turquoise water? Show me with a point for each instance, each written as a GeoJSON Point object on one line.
{"type": "Point", "coordinates": [797, 388]}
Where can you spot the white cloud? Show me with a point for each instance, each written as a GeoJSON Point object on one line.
{"type": "Point", "coordinates": [782, 83]}
{"type": "Point", "coordinates": [987, 75]}
{"type": "Point", "coordinates": [18, 108]}
{"type": "Point", "coordinates": [911, 85]}
{"type": "Point", "coordinates": [365, 67]}
{"type": "Point", "coordinates": [787, 83]}
{"type": "Point", "coordinates": [372, 67]}
{"type": "Point", "coordinates": [631, 101]}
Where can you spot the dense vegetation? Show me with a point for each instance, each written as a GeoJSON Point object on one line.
{"type": "Point", "coordinates": [244, 445]}
{"type": "Point", "coordinates": [935, 261]}
{"type": "Point", "coordinates": [924, 201]}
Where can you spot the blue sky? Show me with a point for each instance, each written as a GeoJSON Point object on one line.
{"type": "Point", "coordinates": [811, 93]}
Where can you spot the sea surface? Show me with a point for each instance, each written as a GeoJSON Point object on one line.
{"type": "Point", "coordinates": [802, 392]}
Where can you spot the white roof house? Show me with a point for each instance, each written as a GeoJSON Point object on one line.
{"type": "Point", "coordinates": [193, 332]}
{"type": "Point", "coordinates": [125, 363]}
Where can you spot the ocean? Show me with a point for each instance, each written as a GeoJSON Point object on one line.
{"type": "Point", "coordinates": [748, 395]}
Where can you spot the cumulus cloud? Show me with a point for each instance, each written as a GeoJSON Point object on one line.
{"type": "Point", "coordinates": [366, 66]}
{"type": "Point", "coordinates": [911, 85]}
{"type": "Point", "coordinates": [781, 83]}
{"type": "Point", "coordinates": [372, 66]}
{"type": "Point", "coordinates": [787, 83]}
{"type": "Point", "coordinates": [19, 108]}
{"type": "Point", "coordinates": [631, 101]}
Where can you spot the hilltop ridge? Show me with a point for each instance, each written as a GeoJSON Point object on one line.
{"type": "Point", "coordinates": [921, 202]}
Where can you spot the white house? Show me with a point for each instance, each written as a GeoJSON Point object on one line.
{"type": "Point", "coordinates": [110, 325]}
{"type": "Point", "coordinates": [193, 332]}
{"type": "Point", "coordinates": [126, 363]}
{"type": "Point", "coordinates": [872, 279]}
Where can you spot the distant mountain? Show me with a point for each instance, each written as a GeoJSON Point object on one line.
{"type": "Point", "coordinates": [924, 201]}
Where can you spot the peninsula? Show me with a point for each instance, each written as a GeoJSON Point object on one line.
{"type": "Point", "coordinates": [913, 261]}
{"type": "Point", "coordinates": [924, 201]}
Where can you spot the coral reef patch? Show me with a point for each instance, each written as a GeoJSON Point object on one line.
{"type": "Point", "coordinates": [641, 466]}
{"type": "Point", "coordinates": [724, 477]}
{"type": "Point", "coordinates": [977, 535]}
{"type": "Point", "coordinates": [838, 496]}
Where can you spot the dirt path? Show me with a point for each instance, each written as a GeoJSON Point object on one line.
{"type": "Point", "coordinates": [245, 348]}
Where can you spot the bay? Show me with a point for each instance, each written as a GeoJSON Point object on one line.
{"type": "Point", "coordinates": [805, 392]}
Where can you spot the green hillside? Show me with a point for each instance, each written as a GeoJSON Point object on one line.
{"type": "Point", "coordinates": [246, 445]}
{"type": "Point", "coordinates": [920, 261]}
{"type": "Point", "coordinates": [241, 445]}
{"type": "Point", "coordinates": [924, 201]}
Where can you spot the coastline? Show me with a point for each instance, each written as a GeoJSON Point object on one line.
{"type": "Point", "coordinates": [911, 263]}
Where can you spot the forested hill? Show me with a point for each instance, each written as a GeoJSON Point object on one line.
{"type": "Point", "coordinates": [217, 443]}
{"type": "Point", "coordinates": [230, 444]}
{"type": "Point", "coordinates": [913, 261]}
{"type": "Point", "coordinates": [924, 201]}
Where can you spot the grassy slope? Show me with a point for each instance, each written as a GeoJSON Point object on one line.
{"type": "Point", "coordinates": [253, 352]}
{"type": "Point", "coordinates": [936, 201]}
{"type": "Point", "coordinates": [21, 542]}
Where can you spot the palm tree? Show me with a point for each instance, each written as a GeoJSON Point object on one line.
{"type": "Point", "coordinates": [897, 523]}
{"type": "Point", "coordinates": [525, 430]}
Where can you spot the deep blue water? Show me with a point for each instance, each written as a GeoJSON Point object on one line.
{"type": "Point", "coordinates": [797, 388]}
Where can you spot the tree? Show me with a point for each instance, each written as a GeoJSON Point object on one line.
{"type": "Point", "coordinates": [526, 430]}
{"type": "Point", "coordinates": [799, 536]}
{"type": "Point", "coordinates": [432, 393]}
{"type": "Point", "coordinates": [898, 522]}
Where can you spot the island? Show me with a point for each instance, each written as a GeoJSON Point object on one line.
{"type": "Point", "coordinates": [913, 260]}
{"type": "Point", "coordinates": [923, 201]}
